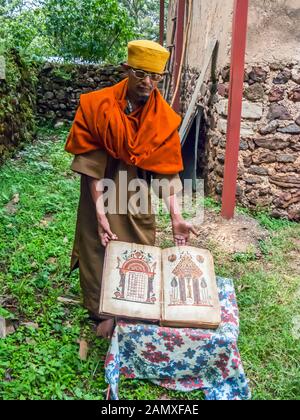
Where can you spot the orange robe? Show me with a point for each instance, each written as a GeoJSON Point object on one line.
{"type": "Point", "coordinates": [147, 138]}
{"type": "Point", "coordinates": [106, 142]}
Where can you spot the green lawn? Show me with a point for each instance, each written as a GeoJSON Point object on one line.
{"type": "Point", "coordinates": [38, 204]}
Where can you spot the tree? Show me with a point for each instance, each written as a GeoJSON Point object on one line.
{"type": "Point", "coordinates": [145, 14]}
{"type": "Point", "coordinates": [22, 26]}
{"type": "Point", "coordinates": [92, 30]}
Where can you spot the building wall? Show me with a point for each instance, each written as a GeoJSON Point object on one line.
{"type": "Point", "coordinates": [273, 30]}
{"type": "Point", "coordinates": [269, 159]}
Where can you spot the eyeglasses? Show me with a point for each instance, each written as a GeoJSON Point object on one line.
{"type": "Point", "coordinates": [141, 74]}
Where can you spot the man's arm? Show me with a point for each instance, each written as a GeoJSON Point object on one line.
{"type": "Point", "coordinates": [104, 231]}
{"type": "Point", "coordinates": [168, 191]}
{"type": "Point", "coordinates": [93, 165]}
{"type": "Point", "coordinates": [181, 228]}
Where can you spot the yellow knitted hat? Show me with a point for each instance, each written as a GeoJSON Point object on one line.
{"type": "Point", "coordinates": [147, 55]}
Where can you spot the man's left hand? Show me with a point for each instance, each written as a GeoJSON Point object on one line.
{"type": "Point", "coordinates": [182, 231]}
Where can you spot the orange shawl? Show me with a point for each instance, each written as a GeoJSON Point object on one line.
{"type": "Point", "coordinates": [147, 138]}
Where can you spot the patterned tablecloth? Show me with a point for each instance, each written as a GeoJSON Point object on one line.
{"type": "Point", "coordinates": [182, 359]}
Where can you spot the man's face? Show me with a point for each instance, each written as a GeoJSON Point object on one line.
{"type": "Point", "coordinates": [140, 87]}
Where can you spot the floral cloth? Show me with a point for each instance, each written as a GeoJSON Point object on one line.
{"type": "Point", "coordinates": [182, 359]}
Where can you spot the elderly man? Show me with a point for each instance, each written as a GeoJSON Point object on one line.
{"type": "Point", "coordinates": [125, 129]}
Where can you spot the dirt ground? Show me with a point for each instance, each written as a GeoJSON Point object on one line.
{"type": "Point", "coordinates": [239, 235]}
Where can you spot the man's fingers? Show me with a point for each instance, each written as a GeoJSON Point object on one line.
{"type": "Point", "coordinates": [105, 238]}
{"type": "Point", "coordinates": [193, 230]}
{"type": "Point", "coordinates": [180, 240]}
{"type": "Point", "coordinates": [111, 235]}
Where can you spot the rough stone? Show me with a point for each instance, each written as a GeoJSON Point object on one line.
{"type": "Point", "coordinates": [219, 189]}
{"type": "Point", "coordinates": [247, 130]}
{"type": "Point", "coordinates": [276, 94]}
{"type": "Point", "coordinates": [221, 157]}
{"type": "Point", "coordinates": [222, 126]}
{"type": "Point", "coordinates": [286, 180]}
{"type": "Point", "coordinates": [269, 128]}
{"type": "Point", "coordinates": [225, 74]}
{"type": "Point", "coordinates": [48, 96]}
{"type": "Point", "coordinates": [296, 75]}
{"type": "Point", "coordinates": [294, 94]}
{"type": "Point", "coordinates": [290, 129]}
{"type": "Point", "coordinates": [254, 92]}
{"type": "Point", "coordinates": [243, 145]}
{"type": "Point", "coordinates": [59, 124]}
{"type": "Point", "coordinates": [219, 169]}
{"type": "Point", "coordinates": [257, 74]}
{"type": "Point", "coordinates": [272, 143]}
{"type": "Point", "coordinates": [297, 120]}
{"type": "Point", "coordinates": [247, 160]}
{"type": "Point", "coordinates": [258, 170]}
{"type": "Point", "coordinates": [263, 157]}
{"type": "Point", "coordinates": [286, 158]}
{"type": "Point", "coordinates": [252, 111]}
{"type": "Point", "coordinates": [223, 89]}
{"type": "Point", "coordinates": [277, 66]}
{"type": "Point", "coordinates": [279, 214]}
{"type": "Point", "coordinates": [253, 180]}
{"type": "Point", "coordinates": [264, 191]}
{"type": "Point", "coordinates": [222, 107]}
{"type": "Point", "coordinates": [215, 140]}
{"type": "Point", "coordinates": [278, 112]}
{"type": "Point", "coordinates": [60, 95]}
{"type": "Point", "coordinates": [223, 143]}
{"type": "Point", "coordinates": [282, 77]}
{"type": "Point", "coordinates": [283, 200]}
{"type": "Point", "coordinates": [295, 143]}
{"type": "Point", "coordinates": [294, 214]}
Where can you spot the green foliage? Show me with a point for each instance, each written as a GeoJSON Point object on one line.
{"type": "Point", "coordinates": [23, 27]}
{"type": "Point", "coordinates": [63, 72]}
{"type": "Point", "coordinates": [90, 30]}
{"type": "Point", "coordinates": [146, 17]}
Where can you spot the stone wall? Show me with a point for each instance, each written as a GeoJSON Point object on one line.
{"type": "Point", "coordinates": [60, 87]}
{"type": "Point", "coordinates": [269, 159]}
{"type": "Point", "coordinates": [17, 103]}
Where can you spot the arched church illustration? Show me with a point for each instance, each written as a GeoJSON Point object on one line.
{"type": "Point", "coordinates": [188, 286]}
{"type": "Point", "coordinates": [136, 279]}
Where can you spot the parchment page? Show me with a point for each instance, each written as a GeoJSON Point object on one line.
{"type": "Point", "coordinates": [131, 281]}
{"type": "Point", "coordinates": [190, 292]}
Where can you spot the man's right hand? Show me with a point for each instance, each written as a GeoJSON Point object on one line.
{"type": "Point", "coordinates": [104, 231]}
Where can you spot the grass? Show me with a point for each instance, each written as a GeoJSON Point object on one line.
{"type": "Point", "coordinates": [38, 203]}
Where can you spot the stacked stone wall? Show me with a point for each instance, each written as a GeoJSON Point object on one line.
{"type": "Point", "coordinates": [60, 87]}
{"type": "Point", "coordinates": [269, 157]}
{"type": "Point", "coordinates": [17, 103]}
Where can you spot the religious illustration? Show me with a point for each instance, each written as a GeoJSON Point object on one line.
{"type": "Point", "coordinates": [188, 286]}
{"type": "Point", "coordinates": [137, 272]}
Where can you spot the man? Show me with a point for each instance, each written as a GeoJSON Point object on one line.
{"type": "Point", "coordinates": [125, 129]}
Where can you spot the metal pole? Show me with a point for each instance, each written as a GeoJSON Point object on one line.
{"type": "Point", "coordinates": [178, 48]}
{"type": "Point", "coordinates": [239, 37]}
{"type": "Point", "coordinates": [162, 22]}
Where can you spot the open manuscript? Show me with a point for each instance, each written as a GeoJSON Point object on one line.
{"type": "Point", "coordinates": [176, 286]}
